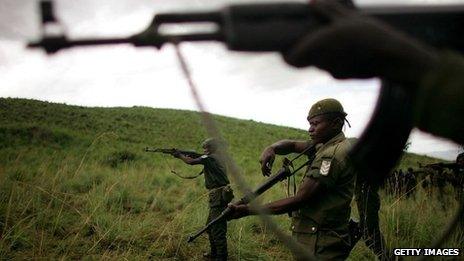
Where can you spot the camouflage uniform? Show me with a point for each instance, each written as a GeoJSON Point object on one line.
{"type": "Point", "coordinates": [220, 194]}
{"type": "Point", "coordinates": [322, 225]}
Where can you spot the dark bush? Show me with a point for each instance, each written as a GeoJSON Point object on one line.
{"type": "Point", "coordinates": [117, 158]}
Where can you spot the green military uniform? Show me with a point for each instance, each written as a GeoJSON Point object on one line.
{"type": "Point", "coordinates": [322, 225]}
{"type": "Point", "coordinates": [220, 194]}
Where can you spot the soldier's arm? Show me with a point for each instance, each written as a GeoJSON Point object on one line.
{"type": "Point", "coordinates": [436, 79]}
{"type": "Point", "coordinates": [282, 147]}
{"type": "Point", "coordinates": [369, 47]}
{"type": "Point", "coordinates": [440, 98]}
{"type": "Point", "coordinates": [188, 160]}
{"type": "Point", "coordinates": [308, 189]}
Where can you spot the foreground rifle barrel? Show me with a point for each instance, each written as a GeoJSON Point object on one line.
{"type": "Point", "coordinates": [275, 26]}
{"type": "Point", "coordinates": [282, 174]}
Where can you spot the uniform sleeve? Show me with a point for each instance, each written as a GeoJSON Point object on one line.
{"type": "Point", "coordinates": [326, 170]}
{"type": "Point", "coordinates": [440, 99]}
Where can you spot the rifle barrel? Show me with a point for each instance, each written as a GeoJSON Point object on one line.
{"type": "Point", "coordinates": [277, 26]}
{"type": "Point", "coordinates": [188, 153]}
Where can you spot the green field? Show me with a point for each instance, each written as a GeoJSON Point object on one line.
{"type": "Point", "coordinates": [75, 184]}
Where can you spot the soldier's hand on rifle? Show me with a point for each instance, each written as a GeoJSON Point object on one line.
{"type": "Point", "coordinates": [355, 46]}
{"type": "Point", "coordinates": [238, 211]}
{"type": "Point", "coordinates": [266, 160]}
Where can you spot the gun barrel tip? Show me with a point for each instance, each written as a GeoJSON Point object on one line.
{"type": "Point", "coordinates": [31, 45]}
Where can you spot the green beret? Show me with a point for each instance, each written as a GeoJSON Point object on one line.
{"type": "Point", "coordinates": [326, 106]}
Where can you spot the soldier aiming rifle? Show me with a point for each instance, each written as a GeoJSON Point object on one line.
{"type": "Point", "coordinates": [220, 193]}
{"type": "Point", "coordinates": [456, 175]}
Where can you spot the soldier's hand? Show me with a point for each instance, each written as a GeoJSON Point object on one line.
{"type": "Point", "coordinates": [350, 45]}
{"type": "Point", "coordinates": [266, 160]}
{"type": "Point", "coordinates": [238, 211]}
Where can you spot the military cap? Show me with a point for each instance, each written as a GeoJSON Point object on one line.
{"type": "Point", "coordinates": [326, 106]}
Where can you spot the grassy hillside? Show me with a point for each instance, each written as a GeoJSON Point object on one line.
{"type": "Point", "coordinates": [75, 183]}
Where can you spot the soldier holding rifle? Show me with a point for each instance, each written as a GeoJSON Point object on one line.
{"type": "Point", "coordinates": [321, 207]}
{"type": "Point", "coordinates": [220, 194]}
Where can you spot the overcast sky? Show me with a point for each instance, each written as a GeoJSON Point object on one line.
{"type": "Point", "coordinates": [242, 85]}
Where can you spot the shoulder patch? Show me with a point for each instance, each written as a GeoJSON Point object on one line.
{"type": "Point", "coordinates": [204, 156]}
{"type": "Point", "coordinates": [325, 167]}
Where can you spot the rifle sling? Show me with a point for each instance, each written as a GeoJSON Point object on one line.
{"type": "Point", "coordinates": [187, 177]}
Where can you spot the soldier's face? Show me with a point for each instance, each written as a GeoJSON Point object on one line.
{"type": "Point", "coordinates": [321, 129]}
{"type": "Point", "coordinates": [208, 150]}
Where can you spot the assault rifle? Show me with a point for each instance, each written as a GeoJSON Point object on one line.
{"type": "Point", "coordinates": [173, 151]}
{"type": "Point", "coordinates": [283, 173]}
{"type": "Point", "coordinates": [442, 165]}
{"type": "Point", "coordinates": [259, 27]}
{"type": "Point", "coordinates": [188, 153]}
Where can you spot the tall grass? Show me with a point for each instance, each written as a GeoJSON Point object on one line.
{"type": "Point", "coordinates": [75, 184]}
